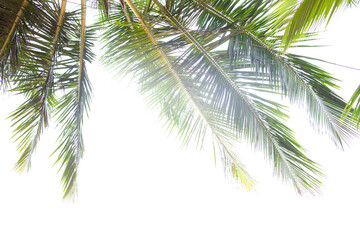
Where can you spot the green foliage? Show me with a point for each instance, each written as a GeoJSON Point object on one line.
{"type": "Point", "coordinates": [41, 59]}
{"type": "Point", "coordinates": [305, 15]}
{"type": "Point", "coordinates": [211, 67]}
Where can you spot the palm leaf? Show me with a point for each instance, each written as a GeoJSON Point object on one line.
{"type": "Point", "coordinates": [166, 87]}
{"type": "Point", "coordinates": [74, 103]}
{"type": "Point", "coordinates": [36, 82]}
{"type": "Point", "coordinates": [293, 82]}
{"type": "Point", "coordinates": [308, 14]}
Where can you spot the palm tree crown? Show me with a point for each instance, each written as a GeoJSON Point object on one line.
{"type": "Point", "coordinates": [211, 67]}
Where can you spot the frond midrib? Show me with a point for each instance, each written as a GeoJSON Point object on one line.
{"type": "Point", "coordinates": [82, 43]}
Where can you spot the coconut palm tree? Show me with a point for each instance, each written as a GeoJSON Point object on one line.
{"type": "Point", "coordinates": [213, 69]}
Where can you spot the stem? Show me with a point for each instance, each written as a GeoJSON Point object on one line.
{"type": "Point", "coordinates": [82, 43]}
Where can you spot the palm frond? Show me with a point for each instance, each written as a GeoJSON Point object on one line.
{"type": "Point", "coordinates": [36, 82]}
{"type": "Point", "coordinates": [321, 83]}
{"type": "Point", "coordinates": [257, 121]}
{"type": "Point", "coordinates": [167, 88]}
{"type": "Point", "coordinates": [307, 14]}
{"type": "Point", "coordinates": [292, 82]}
{"type": "Point", "coordinates": [72, 106]}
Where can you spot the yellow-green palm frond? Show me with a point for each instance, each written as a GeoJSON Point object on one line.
{"type": "Point", "coordinates": [305, 15]}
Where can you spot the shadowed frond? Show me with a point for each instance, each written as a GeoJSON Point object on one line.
{"type": "Point", "coordinates": [18, 20]}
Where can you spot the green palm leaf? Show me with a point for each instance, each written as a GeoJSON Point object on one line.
{"type": "Point", "coordinates": [72, 106]}
{"type": "Point", "coordinates": [36, 82]}
{"type": "Point", "coordinates": [306, 14]}
{"type": "Point", "coordinates": [167, 87]}
{"type": "Point", "coordinates": [250, 117]}
{"type": "Point", "coordinates": [291, 79]}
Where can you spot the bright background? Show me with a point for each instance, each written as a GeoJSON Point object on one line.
{"type": "Point", "coordinates": [136, 183]}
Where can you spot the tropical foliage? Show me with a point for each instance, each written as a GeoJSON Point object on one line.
{"type": "Point", "coordinates": [308, 14]}
{"type": "Point", "coordinates": [211, 67]}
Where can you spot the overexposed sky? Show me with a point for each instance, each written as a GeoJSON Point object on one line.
{"type": "Point", "coordinates": [136, 183]}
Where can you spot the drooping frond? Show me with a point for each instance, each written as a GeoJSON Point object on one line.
{"type": "Point", "coordinates": [72, 106]}
{"type": "Point", "coordinates": [165, 86]}
{"type": "Point", "coordinates": [252, 120]}
{"type": "Point", "coordinates": [36, 82]}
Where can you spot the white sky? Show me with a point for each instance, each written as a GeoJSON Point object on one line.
{"type": "Point", "coordinates": [136, 183]}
